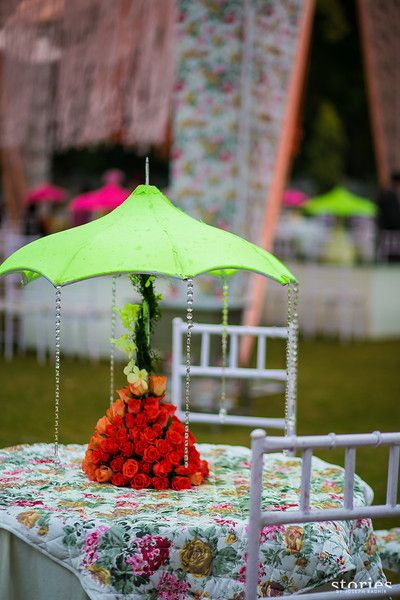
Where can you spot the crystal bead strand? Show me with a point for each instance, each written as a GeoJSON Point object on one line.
{"type": "Point", "coordinates": [113, 322]}
{"type": "Point", "coordinates": [291, 359]}
{"type": "Point", "coordinates": [57, 370]}
{"type": "Point", "coordinates": [189, 320]}
{"type": "Point", "coordinates": [222, 405]}
{"type": "Point", "coordinates": [289, 320]}
{"type": "Point", "coordinates": [294, 353]}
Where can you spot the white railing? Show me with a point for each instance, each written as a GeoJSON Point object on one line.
{"type": "Point", "coordinates": [261, 444]}
{"type": "Point", "coordinates": [232, 370]}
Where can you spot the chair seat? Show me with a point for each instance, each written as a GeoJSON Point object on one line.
{"type": "Point", "coordinates": [389, 548]}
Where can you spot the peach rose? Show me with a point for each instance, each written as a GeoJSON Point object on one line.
{"type": "Point", "coordinates": [116, 409]}
{"type": "Point", "coordinates": [138, 388]}
{"type": "Point", "coordinates": [90, 469]}
{"type": "Point", "coordinates": [95, 440]}
{"type": "Point", "coordinates": [137, 380]}
{"type": "Point", "coordinates": [124, 393]}
{"type": "Point", "coordinates": [196, 479]}
{"type": "Point", "coordinates": [102, 424]}
{"type": "Point", "coordinates": [104, 474]}
{"type": "Point", "coordinates": [157, 385]}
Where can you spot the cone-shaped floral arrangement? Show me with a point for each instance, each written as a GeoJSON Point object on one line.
{"type": "Point", "coordinates": [140, 442]}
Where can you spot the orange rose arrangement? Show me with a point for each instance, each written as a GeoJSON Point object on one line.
{"type": "Point", "coordinates": [140, 443]}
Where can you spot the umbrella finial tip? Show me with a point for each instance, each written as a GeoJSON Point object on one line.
{"type": "Point", "coordinates": [147, 170]}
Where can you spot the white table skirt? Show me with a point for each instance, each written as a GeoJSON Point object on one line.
{"type": "Point", "coordinates": [27, 574]}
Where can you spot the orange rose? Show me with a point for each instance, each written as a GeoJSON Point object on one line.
{"type": "Point", "coordinates": [103, 474]}
{"type": "Point", "coordinates": [124, 393]}
{"type": "Point", "coordinates": [102, 424]}
{"type": "Point", "coordinates": [88, 467]}
{"type": "Point", "coordinates": [139, 388]}
{"type": "Point", "coordinates": [196, 479]}
{"type": "Point", "coordinates": [116, 409]}
{"type": "Point", "coordinates": [95, 440]}
{"type": "Point", "coordinates": [157, 385]}
{"type": "Point", "coordinates": [90, 471]}
{"type": "Point", "coordinates": [130, 468]}
{"type": "Point", "coordinates": [204, 468]}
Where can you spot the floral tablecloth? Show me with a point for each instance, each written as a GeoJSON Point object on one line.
{"type": "Point", "coordinates": [131, 544]}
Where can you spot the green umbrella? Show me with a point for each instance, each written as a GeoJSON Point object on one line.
{"type": "Point", "coordinates": [342, 203]}
{"type": "Point", "coordinates": [146, 234]}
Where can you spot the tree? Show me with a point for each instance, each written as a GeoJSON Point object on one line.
{"type": "Point", "coordinates": [327, 148]}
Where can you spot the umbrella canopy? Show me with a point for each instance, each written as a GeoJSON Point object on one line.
{"type": "Point", "coordinates": [293, 197]}
{"type": "Point", "coordinates": [106, 198]}
{"type": "Point", "coordinates": [46, 193]}
{"type": "Point", "coordinates": [342, 203]}
{"type": "Point", "coordinates": [146, 234]}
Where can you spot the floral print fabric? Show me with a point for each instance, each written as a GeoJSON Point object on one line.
{"type": "Point", "coordinates": [188, 544]}
{"type": "Point", "coordinates": [389, 548]}
{"type": "Point", "coordinates": [234, 62]}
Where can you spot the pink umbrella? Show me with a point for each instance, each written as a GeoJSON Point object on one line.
{"type": "Point", "coordinates": [294, 197]}
{"type": "Point", "coordinates": [106, 198]}
{"type": "Point", "coordinates": [46, 193]}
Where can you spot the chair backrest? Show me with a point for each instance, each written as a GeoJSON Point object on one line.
{"type": "Point", "coordinates": [231, 371]}
{"type": "Point", "coordinates": [261, 444]}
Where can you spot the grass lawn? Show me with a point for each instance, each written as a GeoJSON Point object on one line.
{"type": "Point", "coordinates": [342, 388]}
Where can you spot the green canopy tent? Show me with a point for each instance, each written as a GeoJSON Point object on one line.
{"type": "Point", "coordinates": [340, 203]}
{"type": "Point", "coordinates": [147, 234]}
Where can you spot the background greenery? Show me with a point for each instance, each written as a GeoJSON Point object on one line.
{"type": "Point", "coordinates": [335, 140]}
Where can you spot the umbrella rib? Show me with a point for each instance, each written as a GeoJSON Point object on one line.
{"type": "Point", "coordinates": [81, 247]}
{"type": "Point", "coordinates": [174, 252]}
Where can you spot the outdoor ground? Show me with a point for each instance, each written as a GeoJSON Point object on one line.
{"type": "Point", "coordinates": [342, 388]}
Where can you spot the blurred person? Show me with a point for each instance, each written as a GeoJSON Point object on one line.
{"type": "Point", "coordinates": [388, 218]}
{"type": "Point", "coordinates": [389, 204]}
{"type": "Point", "coordinates": [32, 221]}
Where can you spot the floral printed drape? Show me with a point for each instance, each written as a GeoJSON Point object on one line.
{"type": "Point", "coordinates": [233, 67]}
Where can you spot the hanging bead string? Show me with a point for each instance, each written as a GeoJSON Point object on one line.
{"type": "Point", "coordinates": [112, 349]}
{"type": "Point", "coordinates": [222, 405]}
{"type": "Point", "coordinates": [291, 359]}
{"type": "Point", "coordinates": [57, 370]}
{"type": "Point", "coordinates": [189, 320]}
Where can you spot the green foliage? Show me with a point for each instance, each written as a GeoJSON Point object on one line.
{"type": "Point", "coordinates": [125, 343]}
{"type": "Point", "coordinates": [334, 22]}
{"type": "Point", "coordinates": [129, 315]}
{"type": "Point", "coordinates": [336, 74]}
{"type": "Point", "coordinates": [326, 148]}
{"type": "Point", "coordinates": [147, 316]}
{"type": "Point", "coordinates": [139, 320]}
